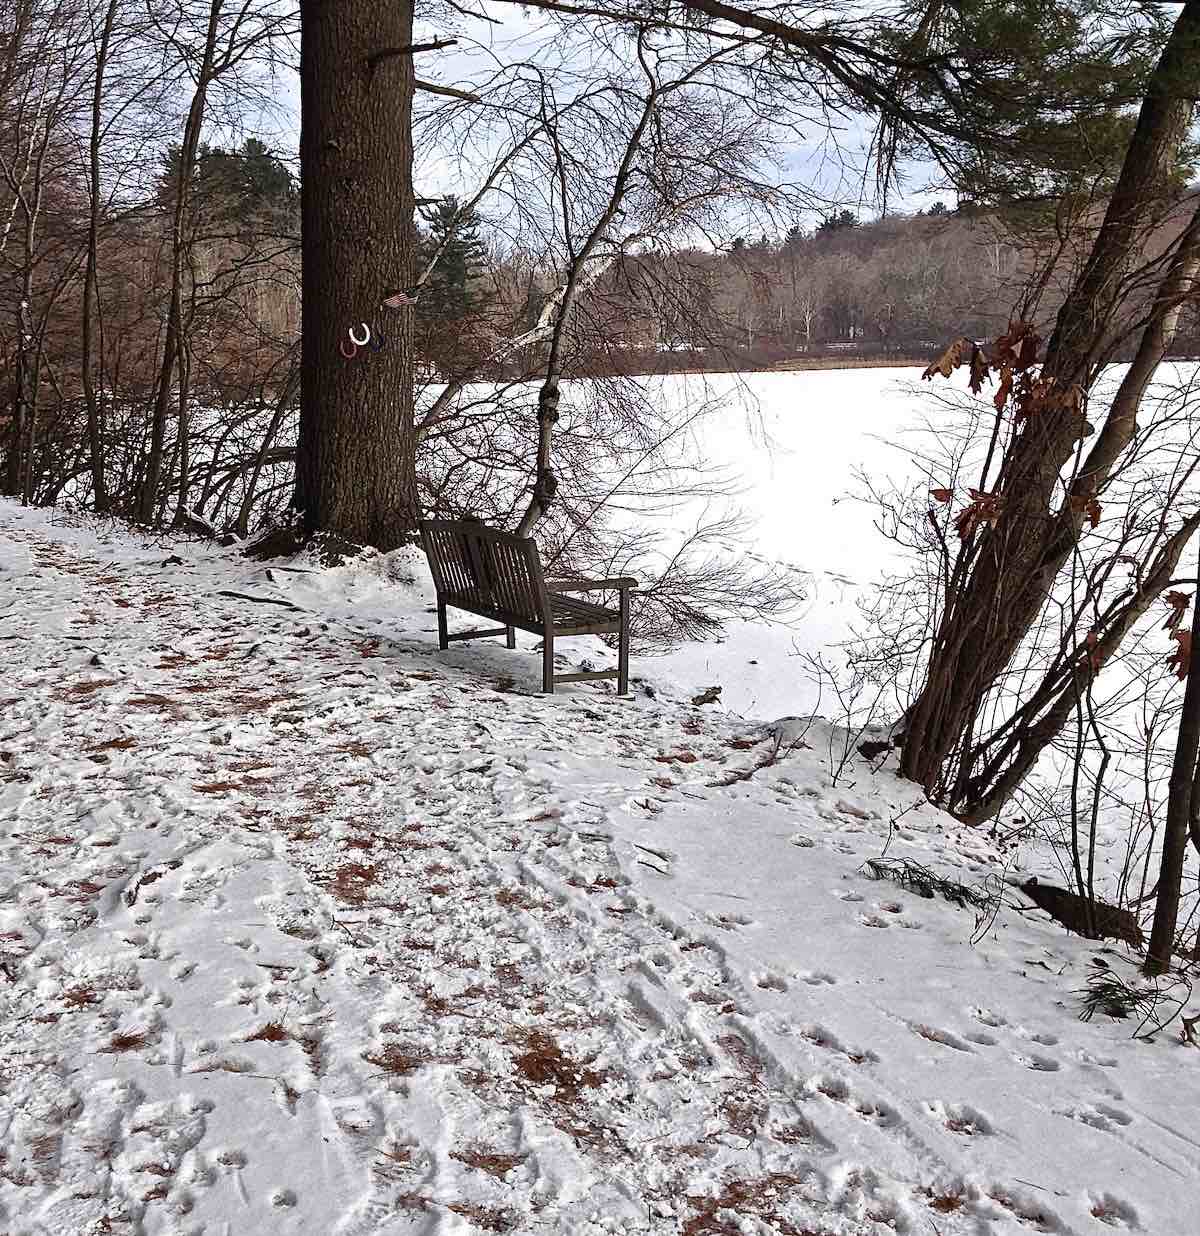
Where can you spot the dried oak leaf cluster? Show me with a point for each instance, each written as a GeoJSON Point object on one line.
{"type": "Point", "coordinates": [1181, 659]}
{"type": "Point", "coordinates": [1010, 358]}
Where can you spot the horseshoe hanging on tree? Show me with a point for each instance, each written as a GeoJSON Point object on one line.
{"type": "Point", "coordinates": [347, 349]}
{"type": "Point", "coordinates": [366, 335]}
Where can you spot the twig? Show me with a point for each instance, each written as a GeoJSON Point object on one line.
{"type": "Point", "coordinates": [652, 867]}
{"type": "Point", "coordinates": [245, 596]}
{"type": "Point", "coordinates": [353, 938]}
{"type": "Point", "coordinates": [451, 92]}
{"type": "Point", "coordinates": [743, 774]}
{"type": "Point", "coordinates": [409, 49]}
{"type": "Point", "coordinates": [657, 853]}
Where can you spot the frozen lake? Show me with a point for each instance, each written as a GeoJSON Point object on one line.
{"type": "Point", "coordinates": [795, 442]}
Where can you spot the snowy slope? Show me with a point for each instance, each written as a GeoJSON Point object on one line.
{"type": "Point", "coordinates": [307, 927]}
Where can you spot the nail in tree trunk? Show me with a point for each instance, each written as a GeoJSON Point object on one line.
{"type": "Point", "coordinates": [355, 467]}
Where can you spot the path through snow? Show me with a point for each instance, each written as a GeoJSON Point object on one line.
{"type": "Point", "coordinates": [306, 927]}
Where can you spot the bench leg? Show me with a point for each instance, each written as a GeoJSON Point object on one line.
{"type": "Point", "coordinates": [623, 646]}
{"type": "Point", "coordinates": [510, 636]}
{"type": "Point", "coordinates": [443, 629]}
{"type": "Point", "coordinates": [548, 663]}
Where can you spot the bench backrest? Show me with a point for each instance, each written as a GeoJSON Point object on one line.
{"type": "Point", "coordinates": [484, 567]}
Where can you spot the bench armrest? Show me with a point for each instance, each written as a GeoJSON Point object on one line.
{"type": "Point", "coordinates": [589, 585]}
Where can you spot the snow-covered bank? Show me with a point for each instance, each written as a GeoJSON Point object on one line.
{"type": "Point", "coordinates": [306, 927]}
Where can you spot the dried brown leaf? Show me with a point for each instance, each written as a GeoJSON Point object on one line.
{"type": "Point", "coordinates": [950, 359]}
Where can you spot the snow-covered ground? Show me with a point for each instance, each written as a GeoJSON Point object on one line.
{"type": "Point", "coordinates": [307, 927]}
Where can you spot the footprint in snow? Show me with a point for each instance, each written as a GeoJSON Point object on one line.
{"type": "Point", "coordinates": [837, 1091]}
{"type": "Point", "coordinates": [1025, 1208]}
{"type": "Point", "coordinates": [816, 978]}
{"type": "Point", "coordinates": [960, 1118]}
{"type": "Point", "coordinates": [819, 1036]}
{"type": "Point", "coordinates": [1105, 1062]}
{"type": "Point", "coordinates": [847, 896]}
{"type": "Point", "coordinates": [802, 1132]}
{"type": "Point", "coordinates": [988, 1018]}
{"type": "Point", "coordinates": [1114, 1212]}
{"type": "Point", "coordinates": [1039, 1064]}
{"type": "Point", "coordinates": [729, 922]}
{"type": "Point", "coordinates": [873, 920]}
{"type": "Point", "coordinates": [1097, 1116]}
{"type": "Point", "coordinates": [944, 1037]}
{"type": "Point", "coordinates": [1043, 1040]}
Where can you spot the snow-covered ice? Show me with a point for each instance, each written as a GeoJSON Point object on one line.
{"type": "Point", "coordinates": [307, 927]}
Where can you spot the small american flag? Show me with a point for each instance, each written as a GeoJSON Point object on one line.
{"type": "Point", "coordinates": [398, 300]}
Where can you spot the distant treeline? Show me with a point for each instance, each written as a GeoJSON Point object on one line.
{"type": "Point", "coordinates": [897, 287]}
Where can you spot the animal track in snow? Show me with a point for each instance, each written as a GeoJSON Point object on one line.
{"type": "Point", "coordinates": [842, 895]}
{"type": "Point", "coordinates": [981, 1040]}
{"type": "Point", "coordinates": [873, 920]}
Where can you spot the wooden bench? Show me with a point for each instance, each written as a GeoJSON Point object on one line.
{"type": "Point", "coordinates": [499, 576]}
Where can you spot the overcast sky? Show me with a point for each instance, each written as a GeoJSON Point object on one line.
{"type": "Point", "coordinates": [832, 163]}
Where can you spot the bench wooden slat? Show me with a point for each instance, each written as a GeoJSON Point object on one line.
{"type": "Point", "coordinates": [499, 576]}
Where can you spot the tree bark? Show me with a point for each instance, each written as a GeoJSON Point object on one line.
{"type": "Point", "coordinates": [1021, 557]}
{"type": "Point", "coordinates": [149, 501]}
{"type": "Point", "coordinates": [1179, 803]}
{"type": "Point", "coordinates": [355, 467]}
{"type": "Point", "coordinates": [91, 337]}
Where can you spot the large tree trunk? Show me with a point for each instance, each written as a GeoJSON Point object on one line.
{"type": "Point", "coordinates": [355, 467]}
{"type": "Point", "coordinates": [1022, 555]}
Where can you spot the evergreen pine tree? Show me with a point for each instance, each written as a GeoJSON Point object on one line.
{"type": "Point", "coordinates": [839, 221]}
{"type": "Point", "coordinates": [451, 293]}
